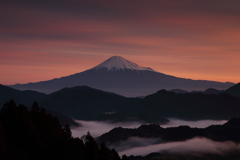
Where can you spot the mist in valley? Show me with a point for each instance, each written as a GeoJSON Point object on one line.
{"type": "Point", "coordinates": [173, 122]}
{"type": "Point", "coordinates": [144, 146]}
{"type": "Point", "coordinates": [97, 128]}
{"type": "Point", "coordinates": [196, 145]}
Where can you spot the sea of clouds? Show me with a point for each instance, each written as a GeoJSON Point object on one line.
{"type": "Point", "coordinates": [97, 128]}
{"type": "Point", "coordinates": [144, 146]}
{"type": "Point", "coordinates": [196, 145]}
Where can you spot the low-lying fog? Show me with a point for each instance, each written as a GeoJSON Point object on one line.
{"type": "Point", "coordinates": [98, 128]}
{"type": "Point", "coordinates": [191, 146]}
{"type": "Point", "coordinates": [198, 124]}
{"type": "Point", "coordinates": [144, 146]}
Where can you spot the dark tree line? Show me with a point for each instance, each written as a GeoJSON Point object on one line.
{"type": "Point", "coordinates": [34, 134]}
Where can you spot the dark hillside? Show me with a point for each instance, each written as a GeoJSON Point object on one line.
{"type": "Point", "coordinates": [28, 135]}
{"type": "Point", "coordinates": [90, 104]}
{"type": "Point", "coordinates": [192, 106]}
{"type": "Point", "coordinates": [229, 131]}
{"type": "Point", "coordinates": [20, 97]}
{"type": "Point", "coordinates": [234, 90]}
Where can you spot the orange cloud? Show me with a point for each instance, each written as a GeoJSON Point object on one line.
{"type": "Point", "coordinates": [192, 39]}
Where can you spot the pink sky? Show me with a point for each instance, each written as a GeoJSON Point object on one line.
{"type": "Point", "coordinates": [42, 40]}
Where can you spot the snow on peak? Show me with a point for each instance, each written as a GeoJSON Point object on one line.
{"type": "Point", "coordinates": [118, 62]}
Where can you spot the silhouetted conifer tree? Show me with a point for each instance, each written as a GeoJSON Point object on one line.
{"type": "Point", "coordinates": [37, 135]}
{"type": "Point", "coordinates": [4, 144]}
{"type": "Point", "coordinates": [115, 155]}
{"type": "Point", "coordinates": [124, 157]}
{"type": "Point", "coordinates": [67, 134]}
{"type": "Point", "coordinates": [105, 153]}
{"type": "Point", "coordinates": [35, 107]}
{"type": "Point", "coordinates": [92, 150]}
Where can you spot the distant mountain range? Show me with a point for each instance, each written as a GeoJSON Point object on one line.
{"type": "Point", "coordinates": [234, 91]}
{"type": "Point", "coordinates": [119, 117]}
{"type": "Point", "coordinates": [28, 98]}
{"type": "Point", "coordinates": [88, 104]}
{"type": "Point", "coordinates": [123, 77]}
{"type": "Point", "coordinates": [207, 91]}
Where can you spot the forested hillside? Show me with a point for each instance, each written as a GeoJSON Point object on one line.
{"type": "Point", "coordinates": [36, 135]}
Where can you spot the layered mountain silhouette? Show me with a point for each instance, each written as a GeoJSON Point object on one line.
{"type": "Point", "coordinates": [207, 91]}
{"type": "Point", "coordinates": [20, 97]}
{"type": "Point", "coordinates": [28, 98]}
{"type": "Point", "coordinates": [123, 77]}
{"type": "Point", "coordinates": [227, 132]}
{"type": "Point", "coordinates": [87, 103]}
{"type": "Point", "coordinates": [234, 90]}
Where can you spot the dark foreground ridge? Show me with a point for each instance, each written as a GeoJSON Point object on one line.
{"type": "Point", "coordinates": [226, 133]}
{"type": "Point", "coordinates": [170, 156]}
{"type": "Point", "coordinates": [229, 131]}
{"type": "Point", "coordinates": [36, 135]}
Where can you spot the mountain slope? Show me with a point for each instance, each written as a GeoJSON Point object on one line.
{"type": "Point", "coordinates": [88, 103]}
{"type": "Point", "coordinates": [123, 77]}
{"type": "Point", "coordinates": [35, 135]}
{"type": "Point", "coordinates": [28, 98]}
{"type": "Point", "coordinates": [234, 90]}
{"type": "Point", "coordinates": [24, 97]}
{"type": "Point", "coordinates": [193, 106]}
{"type": "Point", "coordinates": [118, 63]}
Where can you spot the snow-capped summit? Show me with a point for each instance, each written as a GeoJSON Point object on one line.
{"type": "Point", "coordinates": [123, 77]}
{"type": "Point", "coordinates": [118, 62]}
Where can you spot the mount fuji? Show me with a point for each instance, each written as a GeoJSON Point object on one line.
{"type": "Point", "coordinates": [123, 77]}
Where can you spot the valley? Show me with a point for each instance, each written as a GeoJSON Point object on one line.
{"type": "Point", "coordinates": [160, 122]}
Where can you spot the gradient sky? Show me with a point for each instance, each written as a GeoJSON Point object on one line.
{"type": "Point", "coordinates": [46, 39]}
